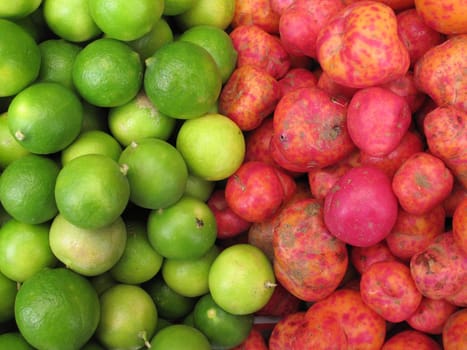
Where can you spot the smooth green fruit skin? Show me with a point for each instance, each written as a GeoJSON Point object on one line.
{"type": "Point", "coordinates": [14, 341]}
{"type": "Point", "coordinates": [10, 149]}
{"type": "Point", "coordinates": [44, 311]}
{"type": "Point", "coordinates": [8, 290]}
{"type": "Point", "coordinates": [180, 337]}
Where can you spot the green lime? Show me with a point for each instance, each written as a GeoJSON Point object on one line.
{"type": "Point", "coordinates": [18, 8]}
{"type": "Point", "coordinates": [57, 309]}
{"type": "Point", "coordinates": [180, 337]}
{"type": "Point", "coordinates": [185, 230]}
{"type": "Point", "coordinates": [57, 57]}
{"type": "Point", "coordinates": [4, 216]}
{"type": "Point", "coordinates": [20, 58]}
{"type": "Point", "coordinates": [182, 80]}
{"type": "Point", "coordinates": [91, 191]}
{"type": "Point", "coordinates": [199, 188]}
{"type": "Point", "coordinates": [45, 117]}
{"type": "Point", "coordinates": [92, 141]}
{"type": "Point", "coordinates": [35, 25]}
{"type": "Point", "coordinates": [14, 341]}
{"type": "Point", "coordinates": [125, 19]}
{"type": "Point", "coordinates": [241, 279]}
{"type": "Point", "coordinates": [221, 327]}
{"type": "Point", "coordinates": [107, 73]}
{"type": "Point", "coordinates": [218, 43]}
{"type": "Point", "coordinates": [156, 171]}
{"type": "Point", "coordinates": [27, 189]}
{"type": "Point", "coordinates": [189, 277]}
{"type": "Point", "coordinates": [170, 304]}
{"type": "Point", "coordinates": [70, 19]}
{"type": "Point", "coordinates": [162, 323]}
{"type": "Point", "coordinates": [24, 249]}
{"type": "Point", "coordinates": [176, 7]}
{"type": "Point", "coordinates": [160, 34]}
{"type": "Point", "coordinates": [10, 148]}
{"type": "Point", "coordinates": [89, 252]}
{"type": "Point", "coordinates": [213, 146]}
{"type": "Point", "coordinates": [217, 13]}
{"type": "Point", "coordinates": [8, 290]}
{"type": "Point", "coordinates": [94, 118]}
{"type": "Point", "coordinates": [139, 119]}
{"type": "Point", "coordinates": [139, 262]}
{"type": "Point", "coordinates": [128, 317]}
{"type": "Point", "coordinates": [102, 282]}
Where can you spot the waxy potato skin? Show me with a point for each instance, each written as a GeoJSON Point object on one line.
{"type": "Point", "coordinates": [447, 16]}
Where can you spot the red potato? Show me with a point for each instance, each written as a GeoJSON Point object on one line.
{"type": "Point", "coordinates": [377, 120]}
{"type": "Point", "coordinates": [281, 303]}
{"type": "Point", "coordinates": [363, 257]}
{"type": "Point", "coordinates": [459, 225]}
{"type": "Point", "coordinates": [283, 333]}
{"type": "Point", "coordinates": [412, 233]}
{"type": "Point", "coordinates": [405, 87]}
{"type": "Point", "coordinates": [388, 288]}
{"type": "Point", "coordinates": [440, 270]}
{"type": "Point", "coordinates": [361, 209]}
{"type": "Point", "coordinates": [309, 130]}
{"type": "Point", "coordinates": [396, 5]}
{"type": "Point", "coordinates": [362, 326]}
{"type": "Point", "coordinates": [459, 298]}
{"type": "Point", "coordinates": [447, 16]}
{"type": "Point", "coordinates": [249, 96]}
{"type": "Point", "coordinates": [297, 78]}
{"type": "Point", "coordinates": [257, 12]}
{"type": "Point", "coordinates": [254, 341]}
{"type": "Point", "coordinates": [411, 339]}
{"type": "Point", "coordinates": [261, 49]}
{"type": "Point", "coordinates": [431, 315]}
{"type": "Point", "coordinates": [308, 261]}
{"type": "Point", "coordinates": [458, 193]}
{"type": "Point", "coordinates": [340, 92]}
{"type": "Point", "coordinates": [321, 180]}
{"type": "Point", "coordinates": [279, 6]}
{"type": "Point", "coordinates": [257, 142]}
{"type": "Point", "coordinates": [454, 334]}
{"type": "Point", "coordinates": [359, 46]}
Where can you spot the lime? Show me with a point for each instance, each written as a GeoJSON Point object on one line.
{"type": "Point", "coordinates": [35, 25]}
{"type": "Point", "coordinates": [92, 345]}
{"type": "Point", "coordinates": [182, 80]}
{"type": "Point", "coordinates": [45, 117]}
{"type": "Point", "coordinates": [180, 337]}
{"type": "Point", "coordinates": [185, 230]}
{"type": "Point", "coordinates": [89, 252]}
{"type": "Point", "coordinates": [102, 282]}
{"type": "Point", "coordinates": [70, 19]}
{"type": "Point", "coordinates": [139, 262]}
{"type": "Point", "coordinates": [20, 58]}
{"type": "Point", "coordinates": [199, 188]}
{"type": "Point", "coordinates": [160, 34]}
{"type": "Point", "coordinates": [189, 277]}
{"type": "Point", "coordinates": [4, 216]}
{"type": "Point", "coordinates": [241, 279]}
{"type": "Point", "coordinates": [128, 317]}
{"type": "Point", "coordinates": [170, 304]}
{"type": "Point", "coordinates": [125, 19]}
{"type": "Point", "coordinates": [139, 119]}
{"type": "Point", "coordinates": [218, 43]}
{"type": "Point", "coordinates": [94, 118]}
{"type": "Point", "coordinates": [27, 189]}
{"type": "Point", "coordinates": [213, 146]}
{"type": "Point", "coordinates": [57, 309]}
{"type": "Point", "coordinates": [92, 141]}
{"type": "Point", "coordinates": [221, 327]}
{"type": "Point", "coordinates": [156, 171]}
{"type": "Point", "coordinates": [217, 13]}
{"type": "Point", "coordinates": [24, 249]}
{"type": "Point", "coordinates": [14, 341]}
{"type": "Point", "coordinates": [176, 7]}
{"type": "Point", "coordinates": [57, 57]}
{"type": "Point", "coordinates": [107, 73]}
{"type": "Point", "coordinates": [10, 149]}
{"type": "Point", "coordinates": [18, 8]}
{"type": "Point", "coordinates": [91, 191]}
{"type": "Point", "coordinates": [8, 290]}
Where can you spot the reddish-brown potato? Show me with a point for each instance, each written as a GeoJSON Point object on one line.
{"type": "Point", "coordinates": [282, 334]}
{"type": "Point", "coordinates": [297, 78]}
{"type": "Point", "coordinates": [459, 225]}
{"type": "Point", "coordinates": [454, 334]}
{"type": "Point", "coordinates": [459, 298]}
{"type": "Point", "coordinates": [411, 339]}
{"type": "Point", "coordinates": [431, 315]}
{"type": "Point", "coordinates": [363, 257]}
{"type": "Point", "coordinates": [281, 303]}
{"type": "Point", "coordinates": [396, 5]}
{"type": "Point", "coordinates": [254, 341]}
{"type": "Point", "coordinates": [321, 180]}
{"type": "Point", "coordinates": [257, 12]}
{"type": "Point", "coordinates": [458, 193]}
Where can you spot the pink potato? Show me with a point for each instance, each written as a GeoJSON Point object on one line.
{"type": "Point", "coordinates": [457, 195]}
{"type": "Point", "coordinates": [431, 315]}
{"type": "Point", "coordinates": [281, 303]}
{"type": "Point", "coordinates": [411, 339]}
{"type": "Point", "coordinates": [359, 46]}
{"type": "Point", "coordinates": [361, 208]}
{"type": "Point", "coordinates": [377, 120]}
{"type": "Point", "coordinates": [321, 180]}
{"type": "Point", "coordinates": [340, 92]}
{"type": "Point", "coordinates": [421, 183]}
{"type": "Point", "coordinates": [257, 143]}
{"type": "Point", "coordinates": [297, 78]}
{"type": "Point", "coordinates": [363, 257]}
{"type": "Point", "coordinates": [257, 12]}
{"type": "Point", "coordinates": [405, 87]}
{"type": "Point", "coordinates": [388, 288]}
{"type": "Point", "coordinates": [396, 5]}
{"type": "Point", "coordinates": [282, 334]}
{"type": "Point", "coordinates": [254, 341]}
{"type": "Point", "coordinates": [454, 334]}
{"type": "Point", "coordinates": [459, 298]}
{"type": "Point", "coordinates": [279, 6]}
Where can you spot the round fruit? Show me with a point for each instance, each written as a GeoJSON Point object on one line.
{"type": "Point", "coordinates": [180, 337]}
{"type": "Point", "coordinates": [18, 9]}
{"type": "Point", "coordinates": [218, 13]}
{"type": "Point", "coordinates": [8, 290]}
{"type": "Point", "coordinates": [10, 149]}
{"type": "Point", "coordinates": [14, 340]}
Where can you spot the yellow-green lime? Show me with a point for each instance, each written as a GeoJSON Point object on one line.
{"type": "Point", "coordinates": [35, 25]}
{"type": "Point", "coordinates": [57, 309]}
{"type": "Point", "coordinates": [45, 117]}
{"type": "Point", "coordinates": [180, 337]}
{"type": "Point", "coordinates": [161, 33]}
{"type": "Point", "coordinates": [176, 7]}
{"type": "Point", "coordinates": [91, 191]}
{"type": "Point", "coordinates": [8, 290]}
{"type": "Point", "coordinates": [92, 141]}
{"type": "Point", "coordinates": [218, 43]}
{"type": "Point", "coordinates": [4, 216]}
{"type": "Point", "coordinates": [57, 57]}
{"type": "Point", "coordinates": [139, 119]}
{"type": "Point", "coordinates": [18, 8]}
{"type": "Point", "coordinates": [70, 19]}
{"type": "Point", "coordinates": [139, 261]}
{"type": "Point", "coordinates": [182, 80]}
{"type": "Point", "coordinates": [20, 58]}
{"type": "Point", "coordinates": [27, 189]}
{"type": "Point", "coordinates": [89, 252]}
{"type": "Point", "coordinates": [212, 145]}
{"type": "Point", "coordinates": [24, 249]}
{"type": "Point", "coordinates": [125, 19]}
{"type": "Point", "coordinates": [10, 148]}
{"type": "Point", "coordinates": [199, 188]}
{"type": "Point", "coordinates": [14, 340]}
{"type": "Point", "coordinates": [102, 282]}
{"type": "Point", "coordinates": [156, 172]}
{"type": "Point", "coordinates": [107, 73]}
{"type": "Point", "coordinates": [128, 317]}
{"type": "Point", "coordinates": [218, 13]}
